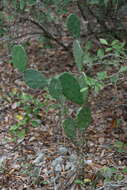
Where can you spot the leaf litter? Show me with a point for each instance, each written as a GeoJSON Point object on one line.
{"type": "Point", "coordinates": [45, 158]}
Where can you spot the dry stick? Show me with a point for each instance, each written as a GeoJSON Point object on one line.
{"type": "Point", "coordinates": [103, 24]}
{"type": "Point", "coordinates": [47, 33]}
{"type": "Point", "coordinates": [84, 17]}
{"type": "Point", "coordinates": [53, 24]}
{"type": "Point", "coordinates": [6, 39]}
{"type": "Point", "coordinates": [20, 36]}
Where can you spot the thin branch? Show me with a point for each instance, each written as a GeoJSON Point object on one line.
{"type": "Point", "coordinates": [20, 36]}
{"type": "Point", "coordinates": [102, 23]}
{"type": "Point", "coordinates": [85, 18]}
{"type": "Point", "coordinates": [47, 33]}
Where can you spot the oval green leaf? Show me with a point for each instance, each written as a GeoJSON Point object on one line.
{"type": "Point", "coordinates": [83, 118]}
{"type": "Point", "coordinates": [19, 57]}
{"type": "Point", "coordinates": [69, 128]}
{"type": "Point", "coordinates": [34, 79]}
{"type": "Point", "coordinates": [73, 25]}
{"type": "Point", "coordinates": [55, 88]}
{"type": "Point", "coordinates": [71, 88]}
{"type": "Point", "coordinates": [78, 54]}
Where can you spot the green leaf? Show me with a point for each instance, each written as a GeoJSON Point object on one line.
{"type": "Point", "coordinates": [22, 4]}
{"type": "Point", "coordinates": [114, 42]}
{"type": "Point", "coordinates": [124, 170]}
{"type": "Point", "coordinates": [108, 49]}
{"type": "Point", "coordinates": [19, 57]}
{"type": "Point", "coordinates": [100, 53]}
{"type": "Point", "coordinates": [31, 2]}
{"type": "Point", "coordinates": [14, 3]}
{"type": "Point", "coordinates": [102, 75]}
{"type": "Point", "coordinates": [71, 88]}
{"type": "Point", "coordinates": [123, 69]}
{"type": "Point", "coordinates": [69, 128]}
{"type": "Point", "coordinates": [106, 2]}
{"type": "Point", "coordinates": [55, 88]}
{"type": "Point", "coordinates": [114, 78]}
{"type": "Point", "coordinates": [103, 41]}
{"type": "Point", "coordinates": [91, 82]}
{"type": "Point", "coordinates": [34, 79]}
{"type": "Point", "coordinates": [106, 172]}
{"type": "Point", "coordinates": [84, 88]}
{"type": "Point", "coordinates": [21, 134]}
{"type": "Point", "coordinates": [26, 97]}
{"type": "Point", "coordinates": [118, 177]}
{"type": "Point", "coordinates": [88, 45]}
{"type": "Point", "coordinates": [98, 86]}
{"type": "Point", "coordinates": [78, 181]}
{"type": "Point", "coordinates": [73, 25]}
{"type": "Point", "coordinates": [83, 118]}
{"type": "Point", "coordinates": [78, 54]}
{"type": "Point", "coordinates": [119, 144]}
{"type": "Point", "coordinates": [14, 127]}
{"type": "Point", "coordinates": [35, 123]}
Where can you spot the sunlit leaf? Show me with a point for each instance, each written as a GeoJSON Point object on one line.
{"type": "Point", "coordinates": [103, 41]}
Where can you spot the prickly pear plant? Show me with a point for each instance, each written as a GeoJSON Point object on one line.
{"type": "Point", "coordinates": [63, 86]}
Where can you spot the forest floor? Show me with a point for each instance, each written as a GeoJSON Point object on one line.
{"type": "Point", "coordinates": [45, 159]}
